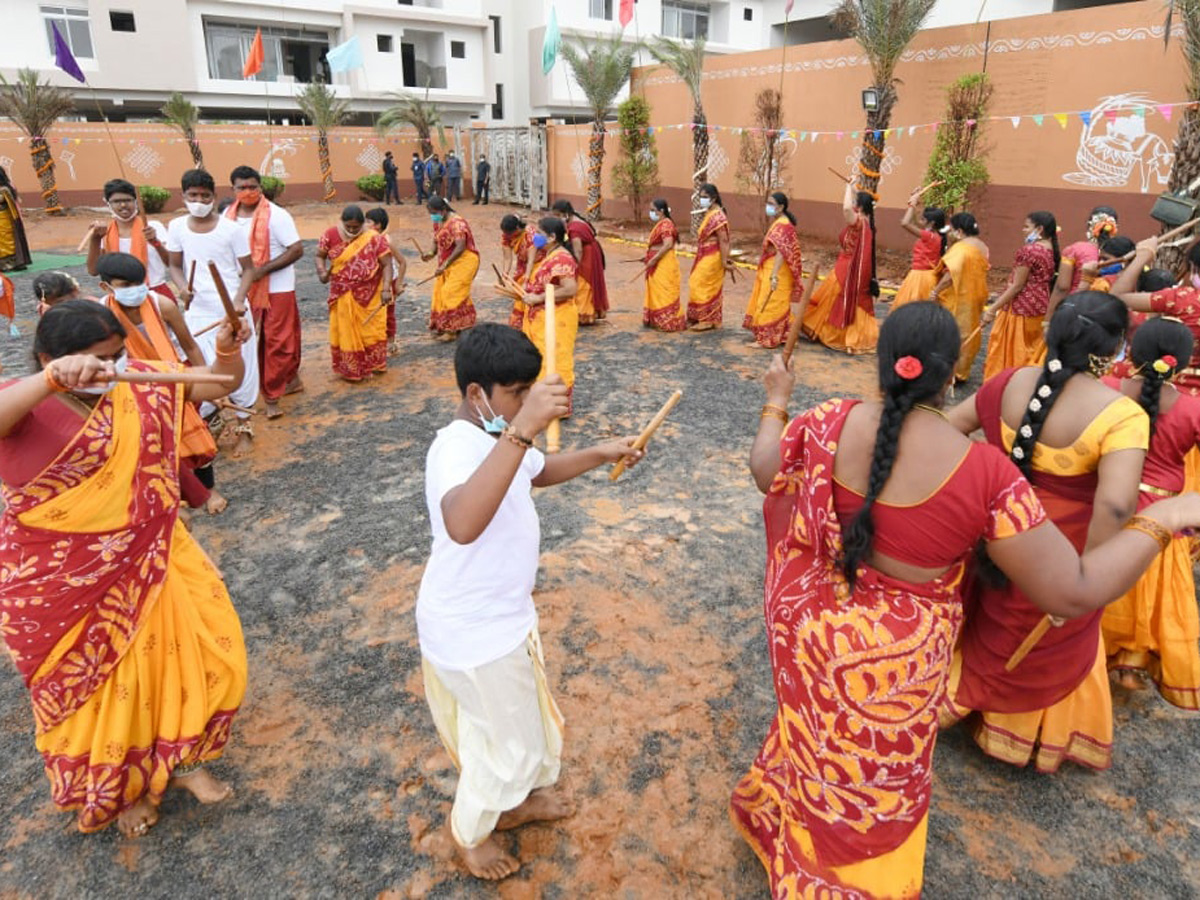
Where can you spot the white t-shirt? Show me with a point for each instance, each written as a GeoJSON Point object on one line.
{"type": "Point", "coordinates": [476, 600]}
{"type": "Point", "coordinates": [224, 245]}
{"type": "Point", "coordinates": [282, 229]}
{"type": "Point", "coordinates": [156, 269]}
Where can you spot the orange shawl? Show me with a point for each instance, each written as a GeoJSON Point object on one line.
{"type": "Point", "coordinates": [137, 241]}
{"type": "Point", "coordinates": [260, 249]}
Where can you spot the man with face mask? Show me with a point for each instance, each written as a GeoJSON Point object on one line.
{"type": "Point", "coordinates": [275, 248]}
{"type": "Point", "coordinates": [130, 231]}
{"type": "Point", "coordinates": [418, 174]}
{"type": "Point", "coordinates": [193, 241]}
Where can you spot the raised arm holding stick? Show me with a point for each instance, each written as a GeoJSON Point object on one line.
{"type": "Point", "coordinates": [648, 432]}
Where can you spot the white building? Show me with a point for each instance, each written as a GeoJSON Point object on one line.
{"type": "Point", "coordinates": [478, 59]}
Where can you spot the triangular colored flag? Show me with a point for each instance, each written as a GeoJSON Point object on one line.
{"type": "Point", "coordinates": [1039, 119]}
{"type": "Point", "coordinates": [1140, 112]}
{"type": "Point", "coordinates": [1110, 114]}
{"type": "Point", "coordinates": [254, 59]}
{"type": "Point", "coordinates": [1016, 120]}
{"type": "Point", "coordinates": [1166, 111]}
{"type": "Point", "coordinates": [64, 58]}
{"type": "Point", "coordinates": [626, 13]}
{"type": "Point", "coordinates": [912, 129]}
{"type": "Point", "coordinates": [345, 57]}
{"type": "Point", "coordinates": [1087, 117]}
{"type": "Point", "coordinates": [550, 43]}
{"type": "Point", "coordinates": [1061, 119]}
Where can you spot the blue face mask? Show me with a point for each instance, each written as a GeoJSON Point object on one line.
{"type": "Point", "coordinates": [496, 424]}
{"type": "Point", "coordinates": [705, 202]}
{"type": "Point", "coordinates": [655, 215]}
{"type": "Point", "coordinates": [540, 241]}
{"type": "Point", "coordinates": [1033, 237]}
{"type": "Point", "coordinates": [771, 210]}
{"type": "Point", "coordinates": [132, 296]}
{"type": "Point", "coordinates": [436, 217]}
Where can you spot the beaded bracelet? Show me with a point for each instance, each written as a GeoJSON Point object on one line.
{"type": "Point", "coordinates": [53, 383]}
{"type": "Point", "coordinates": [519, 439]}
{"type": "Point", "coordinates": [772, 411]}
{"type": "Point", "coordinates": [1148, 526]}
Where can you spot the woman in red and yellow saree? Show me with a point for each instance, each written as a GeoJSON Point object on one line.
{"type": "Point", "coordinates": [963, 288]}
{"type": "Point", "coordinates": [516, 241]}
{"type": "Point", "coordinates": [457, 263]}
{"type": "Point", "coordinates": [1084, 457]}
{"type": "Point", "coordinates": [778, 283]}
{"type": "Point", "coordinates": [872, 513]}
{"type": "Point", "coordinates": [14, 248]}
{"type": "Point", "coordinates": [927, 252]}
{"type": "Point", "coordinates": [115, 618]}
{"type": "Point", "coordinates": [356, 263]}
{"type": "Point", "coordinates": [592, 293]}
{"type": "Point", "coordinates": [1016, 338]}
{"type": "Point", "coordinates": [841, 313]}
{"type": "Point", "coordinates": [1155, 628]}
{"type": "Point", "coordinates": [661, 309]}
{"type": "Point", "coordinates": [706, 283]}
{"type": "Point", "coordinates": [557, 267]}
{"type": "Point", "coordinates": [1101, 225]}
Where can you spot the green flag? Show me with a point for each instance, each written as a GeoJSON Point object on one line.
{"type": "Point", "coordinates": [550, 43]}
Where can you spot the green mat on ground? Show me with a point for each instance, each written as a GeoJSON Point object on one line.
{"type": "Point", "coordinates": [43, 261]}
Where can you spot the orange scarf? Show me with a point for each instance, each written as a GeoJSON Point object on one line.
{"type": "Point", "coordinates": [195, 438]}
{"type": "Point", "coordinates": [260, 249]}
{"type": "Point", "coordinates": [137, 241]}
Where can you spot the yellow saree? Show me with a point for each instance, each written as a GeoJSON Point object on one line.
{"type": "Point", "coordinates": [357, 337]}
{"type": "Point", "coordinates": [965, 298]}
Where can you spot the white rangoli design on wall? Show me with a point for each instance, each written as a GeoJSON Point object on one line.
{"type": "Point", "coordinates": [370, 159]}
{"type": "Point", "coordinates": [272, 164]}
{"type": "Point", "coordinates": [143, 159]}
{"type": "Point", "coordinates": [1116, 147]}
{"type": "Point", "coordinates": [891, 159]}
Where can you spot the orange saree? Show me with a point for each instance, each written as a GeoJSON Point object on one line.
{"type": "Point", "coordinates": [357, 337]}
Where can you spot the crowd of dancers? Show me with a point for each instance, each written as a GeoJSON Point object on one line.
{"type": "Point", "coordinates": [915, 578]}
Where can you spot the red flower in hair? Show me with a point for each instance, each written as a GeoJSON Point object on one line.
{"type": "Point", "coordinates": [908, 368]}
{"type": "Point", "coordinates": [1170, 360]}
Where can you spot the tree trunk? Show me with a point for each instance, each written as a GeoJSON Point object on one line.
{"type": "Point", "coordinates": [699, 161]}
{"type": "Point", "coordinates": [426, 143]}
{"type": "Point", "coordinates": [326, 167]}
{"type": "Point", "coordinates": [870, 167]}
{"type": "Point", "coordinates": [194, 147]}
{"type": "Point", "coordinates": [595, 165]}
{"type": "Point", "coordinates": [43, 165]}
{"type": "Point", "coordinates": [1184, 171]}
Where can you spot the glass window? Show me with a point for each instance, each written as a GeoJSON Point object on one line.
{"type": "Point", "coordinates": [601, 9]}
{"type": "Point", "coordinates": [293, 53]}
{"type": "Point", "coordinates": [121, 21]}
{"type": "Point", "coordinates": [73, 25]}
{"type": "Point", "coordinates": [684, 20]}
{"type": "Point", "coordinates": [495, 33]}
{"type": "Point", "coordinates": [458, 50]}
{"type": "Point", "coordinates": [498, 106]}
{"type": "Point", "coordinates": [383, 43]}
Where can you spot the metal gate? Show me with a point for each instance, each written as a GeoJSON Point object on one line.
{"type": "Point", "coordinates": [518, 159]}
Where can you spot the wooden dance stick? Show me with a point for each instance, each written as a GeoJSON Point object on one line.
{"type": "Point", "coordinates": [918, 194]}
{"type": "Point", "coordinates": [423, 254]}
{"type": "Point", "coordinates": [970, 337]}
{"type": "Point", "coordinates": [648, 432]}
{"type": "Point", "coordinates": [794, 334]}
{"type": "Point", "coordinates": [554, 429]}
{"type": "Point", "coordinates": [225, 404]}
{"type": "Point", "coordinates": [173, 378]}
{"type": "Point", "coordinates": [230, 312]}
{"type": "Point", "coordinates": [426, 280]}
{"type": "Point", "coordinates": [845, 179]}
{"type": "Point", "coordinates": [192, 277]}
{"type": "Point", "coordinates": [499, 274]}
{"type": "Point", "coordinates": [1039, 631]}
{"type": "Point", "coordinates": [1180, 230]}
{"type": "Point", "coordinates": [87, 239]}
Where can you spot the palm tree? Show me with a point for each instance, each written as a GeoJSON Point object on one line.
{"type": "Point", "coordinates": [687, 61]}
{"type": "Point", "coordinates": [181, 113]}
{"type": "Point", "coordinates": [35, 106]}
{"type": "Point", "coordinates": [600, 68]}
{"type": "Point", "coordinates": [421, 114]}
{"type": "Point", "coordinates": [1186, 167]}
{"type": "Point", "coordinates": [321, 106]}
{"type": "Point", "coordinates": [883, 28]}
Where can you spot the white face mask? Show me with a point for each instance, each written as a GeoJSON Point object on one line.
{"type": "Point", "coordinates": [199, 210]}
{"type": "Point", "coordinates": [120, 365]}
{"type": "Point", "coordinates": [1033, 237]}
{"type": "Point", "coordinates": [770, 210]}
{"type": "Point", "coordinates": [655, 215]}
{"type": "Point", "coordinates": [129, 218]}
{"type": "Point", "coordinates": [705, 202]}
{"type": "Point", "coordinates": [132, 296]}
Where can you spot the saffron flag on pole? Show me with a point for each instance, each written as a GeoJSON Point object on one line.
{"type": "Point", "coordinates": [550, 43]}
{"type": "Point", "coordinates": [254, 60]}
{"type": "Point", "coordinates": [64, 58]}
{"type": "Point", "coordinates": [626, 13]}
{"type": "Point", "coordinates": [345, 57]}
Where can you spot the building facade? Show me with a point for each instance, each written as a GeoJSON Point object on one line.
{"type": "Point", "coordinates": [480, 60]}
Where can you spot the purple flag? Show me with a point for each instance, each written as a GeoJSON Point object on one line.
{"type": "Point", "coordinates": [64, 59]}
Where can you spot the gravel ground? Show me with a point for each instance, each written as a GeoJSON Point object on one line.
{"type": "Point", "coordinates": [650, 602]}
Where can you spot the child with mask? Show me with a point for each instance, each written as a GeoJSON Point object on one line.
{"type": "Point", "coordinates": [201, 237]}
{"type": "Point", "coordinates": [130, 232]}
{"type": "Point", "coordinates": [155, 330]}
{"type": "Point", "coordinates": [481, 654]}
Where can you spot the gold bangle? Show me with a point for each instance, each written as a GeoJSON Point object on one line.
{"type": "Point", "coordinates": [772, 411]}
{"type": "Point", "coordinates": [1148, 526]}
{"type": "Point", "coordinates": [236, 354]}
{"type": "Point", "coordinates": [53, 383]}
{"type": "Point", "coordinates": [519, 439]}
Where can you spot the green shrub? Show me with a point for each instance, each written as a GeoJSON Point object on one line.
{"type": "Point", "coordinates": [273, 187]}
{"type": "Point", "coordinates": [371, 187]}
{"type": "Point", "coordinates": [153, 198]}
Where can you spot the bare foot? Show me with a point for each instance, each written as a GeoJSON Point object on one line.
{"type": "Point", "coordinates": [542, 805]}
{"type": "Point", "coordinates": [295, 386]}
{"type": "Point", "coordinates": [203, 786]}
{"type": "Point", "coordinates": [138, 819]}
{"type": "Point", "coordinates": [1129, 680]}
{"type": "Point", "coordinates": [216, 503]}
{"type": "Point", "coordinates": [489, 860]}
{"type": "Point", "coordinates": [245, 440]}
{"type": "Point", "coordinates": [273, 410]}
{"type": "Point", "coordinates": [393, 348]}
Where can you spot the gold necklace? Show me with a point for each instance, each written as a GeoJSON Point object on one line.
{"type": "Point", "coordinates": [932, 409]}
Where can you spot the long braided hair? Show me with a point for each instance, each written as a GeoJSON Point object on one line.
{"type": "Point", "coordinates": [1086, 328]}
{"type": "Point", "coordinates": [1160, 348]}
{"type": "Point", "coordinates": [918, 348]}
{"type": "Point", "coordinates": [1049, 227]}
{"type": "Point", "coordinates": [865, 204]}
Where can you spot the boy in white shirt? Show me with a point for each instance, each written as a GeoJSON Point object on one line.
{"type": "Point", "coordinates": [201, 237]}
{"type": "Point", "coordinates": [480, 651]}
{"type": "Point", "coordinates": [130, 231]}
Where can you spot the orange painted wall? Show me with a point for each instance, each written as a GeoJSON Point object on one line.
{"type": "Point", "coordinates": [1061, 63]}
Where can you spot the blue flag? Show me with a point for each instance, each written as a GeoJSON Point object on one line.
{"type": "Point", "coordinates": [64, 58]}
{"type": "Point", "coordinates": [345, 57]}
{"type": "Point", "coordinates": [550, 43]}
